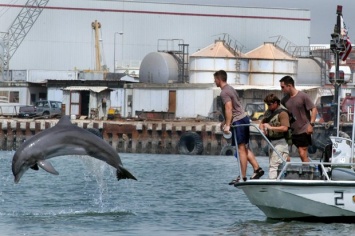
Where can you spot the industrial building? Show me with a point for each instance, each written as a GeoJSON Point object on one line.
{"type": "Point", "coordinates": [173, 48]}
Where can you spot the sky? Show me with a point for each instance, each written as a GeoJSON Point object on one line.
{"type": "Point", "coordinates": [323, 13]}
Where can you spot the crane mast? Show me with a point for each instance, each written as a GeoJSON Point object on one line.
{"type": "Point", "coordinates": [100, 64]}
{"type": "Point", "coordinates": [19, 29]}
{"type": "Point", "coordinates": [96, 26]}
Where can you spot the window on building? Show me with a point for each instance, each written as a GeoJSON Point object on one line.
{"type": "Point", "coordinates": [42, 96]}
{"type": "Point", "coordinates": [9, 96]}
{"type": "Point", "coordinates": [4, 96]}
{"type": "Point", "coordinates": [14, 97]}
{"type": "Point", "coordinates": [33, 98]}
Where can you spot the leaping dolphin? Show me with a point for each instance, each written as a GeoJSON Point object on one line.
{"type": "Point", "coordinates": [64, 139]}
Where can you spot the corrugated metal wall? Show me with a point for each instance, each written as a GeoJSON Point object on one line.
{"type": "Point", "coordinates": [55, 94]}
{"type": "Point", "coordinates": [117, 98]}
{"type": "Point", "coordinates": [189, 102]}
{"type": "Point", "coordinates": [193, 102]}
{"type": "Point", "coordinates": [62, 37]}
{"type": "Point", "coordinates": [44, 75]}
{"type": "Point", "coordinates": [150, 100]}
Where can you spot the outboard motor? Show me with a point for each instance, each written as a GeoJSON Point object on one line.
{"type": "Point", "coordinates": [327, 153]}
{"type": "Point", "coordinates": [320, 141]}
{"type": "Point", "coordinates": [341, 154]}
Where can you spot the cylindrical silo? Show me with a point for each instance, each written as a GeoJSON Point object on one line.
{"type": "Point", "coordinates": [158, 67]}
{"type": "Point", "coordinates": [310, 72]}
{"type": "Point", "coordinates": [268, 64]}
{"type": "Point", "coordinates": [218, 56]}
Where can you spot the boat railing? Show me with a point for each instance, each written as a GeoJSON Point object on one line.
{"type": "Point", "coordinates": [325, 171]}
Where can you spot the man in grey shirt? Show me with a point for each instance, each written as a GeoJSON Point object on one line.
{"type": "Point", "coordinates": [304, 113]}
{"type": "Point", "coordinates": [234, 115]}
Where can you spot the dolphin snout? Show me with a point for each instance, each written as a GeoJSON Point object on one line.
{"type": "Point", "coordinates": [18, 169]}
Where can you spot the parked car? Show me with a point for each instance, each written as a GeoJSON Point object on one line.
{"type": "Point", "coordinates": [44, 108]}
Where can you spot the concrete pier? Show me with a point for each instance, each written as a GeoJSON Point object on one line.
{"type": "Point", "coordinates": [160, 137]}
{"type": "Point", "coordinates": [131, 136]}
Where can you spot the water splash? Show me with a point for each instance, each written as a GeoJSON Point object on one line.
{"type": "Point", "coordinates": [97, 169]}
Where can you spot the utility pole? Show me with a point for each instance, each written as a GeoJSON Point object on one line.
{"type": "Point", "coordinates": [114, 50]}
{"type": "Point", "coordinates": [339, 44]}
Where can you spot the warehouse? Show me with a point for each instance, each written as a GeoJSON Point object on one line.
{"type": "Point", "coordinates": [62, 37]}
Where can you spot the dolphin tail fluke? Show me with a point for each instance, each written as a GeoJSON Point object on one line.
{"type": "Point", "coordinates": [123, 173]}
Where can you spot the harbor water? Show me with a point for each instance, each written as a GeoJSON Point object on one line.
{"type": "Point", "coordinates": [174, 195]}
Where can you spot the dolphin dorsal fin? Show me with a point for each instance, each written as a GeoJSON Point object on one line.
{"type": "Point", "coordinates": [47, 166]}
{"type": "Point", "coordinates": [65, 120]}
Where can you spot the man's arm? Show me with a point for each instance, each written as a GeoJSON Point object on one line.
{"type": "Point", "coordinates": [314, 112]}
{"type": "Point", "coordinates": [228, 116]}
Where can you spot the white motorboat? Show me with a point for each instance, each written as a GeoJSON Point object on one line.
{"type": "Point", "coordinates": [319, 191]}
{"type": "Point", "coordinates": [308, 190]}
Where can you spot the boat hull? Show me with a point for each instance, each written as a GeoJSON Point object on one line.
{"type": "Point", "coordinates": [292, 199]}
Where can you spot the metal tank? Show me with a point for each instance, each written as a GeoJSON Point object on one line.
{"type": "Point", "coordinates": [342, 69]}
{"type": "Point", "coordinates": [268, 64]}
{"type": "Point", "coordinates": [158, 67]}
{"type": "Point", "coordinates": [218, 56]}
{"type": "Point", "coordinates": [309, 72]}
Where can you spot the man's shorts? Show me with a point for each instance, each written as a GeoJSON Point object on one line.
{"type": "Point", "coordinates": [242, 132]}
{"type": "Point", "coordinates": [302, 140]}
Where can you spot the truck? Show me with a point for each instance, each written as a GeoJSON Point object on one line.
{"type": "Point", "coordinates": [327, 111]}
{"type": "Point", "coordinates": [43, 108]}
{"type": "Point", "coordinates": [255, 110]}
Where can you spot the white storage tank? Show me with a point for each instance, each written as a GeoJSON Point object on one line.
{"type": "Point", "coordinates": [344, 69]}
{"type": "Point", "coordinates": [309, 72]}
{"type": "Point", "coordinates": [268, 64]}
{"type": "Point", "coordinates": [218, 56]}
{"type": "Point", "coordinates": [158, 67]}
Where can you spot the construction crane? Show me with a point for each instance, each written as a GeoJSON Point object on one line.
{"type": "Point", "coordinates": [99, 59]}
{"type": "Point", "coordinates": [18, 30]}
